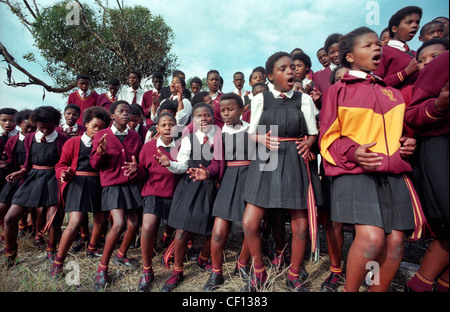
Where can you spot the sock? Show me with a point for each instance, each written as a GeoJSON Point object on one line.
{"type": "Point", "coordinates": [420, 284]}
{"type": "Point", "coordinates": [84, 235]}
{"type": "Point", "coordinates": [120, 254]}
{"type": "Point", "coordinates": [260, 272]}
{"type": "Point", "coordinates": [102, 267]}
{"type": "Point", "coordinates": [51, 247]}
{"type": "Point", "coordinates": [92, 247]}
{"type": "Point", "coordinates": [58, 263]}
{"type": "Point", "coordinates": [164, 238]}
{"type": "Point", "coordinates": [441, 285]}
{"type": "Point", "coordinates": [336, 269]}
{"type": "Point", "coordinates": [239, 264]}
{"type": "Point", "coordinates": [190, 244]}
{"type": "Point", "coordinates": [293, 274]}
{"type": "Point", "coordinates": [202, 259]}
{"type": "Point", "coordinates": [217, 270]}
{"type": "Point", "coordinates": [148, 269]}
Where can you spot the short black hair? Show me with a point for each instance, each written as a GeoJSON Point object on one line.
{"type": "Point", "coordinates": [238, 73]}
{"type": "Point", "coordinates": [260, 84]}
{"type": "Point", "coordinates": [347, 42]}
{"type": "Point", "coordinates": [202, 104]}
{"type": "Point", "coordinates": [331, 39]}
{"type": "Point", "coordinates": [136, 110]}
{"type": "Point", "coordinates": [22, 115]}
{"type": "Point", "coordinates": [117, 103]}
{"type": "Point", "coordinates": [83, 77]}
{"type": "Point", "coordinates": [157, 75]}
{"type": "Point", "coordinates": [164, 115]}
{"type": "Point", "coordinates": [168, 104]}
{"type": "Point", "coordinates": [383, 31]}
{"type": "Point", "coordinates": [73, 106]}
{"type": "Point", "coordinates": [114, 82]}
{"type": "Point", "coordinates": [270, 63]}
{"type": "Point", "coordinates": [259, 69]}
{"type": "Point", "coordinates": [198, 97]}
{"type": "Point", "coordinates": [47, 114]}
{"type": "Point", "coordinates": [197, 80]}
{"type": "Point", "coordinates": [301, 56]}
{"type": "Point", "coordinates": [212, 71]}
{"type": "Point", "coordinates": [233, 96]}
{"type": "Point", "coordinates": [400, 15]}
{"type": "Point", "coordinates": [322, 48]}
{"type": "Point", "coordinates": [138, 74]}
{"type": "Point", "coordinates": [96, 112]}
{"type": "Point", "coordinates": [8, 111]}
{"type": "Point", "coordinates": [442, 41]}
{"type": "Point", "coordinates": [333, 74]}
{"type": "Point", "coordinates": [428, 25]}
{"type": "Point", "coordinates": [177, 73]}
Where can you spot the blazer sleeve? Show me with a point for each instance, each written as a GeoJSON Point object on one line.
{"type": "Point", "coordinates": [66, 158]}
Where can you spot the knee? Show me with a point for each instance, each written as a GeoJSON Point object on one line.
{"type": "Point", "coordinates": [219, 235]}
{"type": "Point", "coordinates": [250, 227]}
{"type": "Point", "coordinates": [396, 245]}
{"type": "Point", "coordinates": [373, 244]}
{"type": "Point", "coordinates": [118, 226]}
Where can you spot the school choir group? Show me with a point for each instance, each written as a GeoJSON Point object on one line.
{"type": "Point", "coordinates": [363, 141]}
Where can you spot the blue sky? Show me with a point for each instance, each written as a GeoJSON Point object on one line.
{"type": "Point", "coordinates": [228, 36]}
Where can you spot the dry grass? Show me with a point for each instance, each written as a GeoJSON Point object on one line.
{"type": "Point", "coordinates": [31, 274]}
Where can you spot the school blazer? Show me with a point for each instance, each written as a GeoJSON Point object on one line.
{"type": "Point", "coordinates": [10, 153]}
{"type": "Point", "coordinates": [359, 111]}
{"type": "Point", "coordinates": [109, 165]}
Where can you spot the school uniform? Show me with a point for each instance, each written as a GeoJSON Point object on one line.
{"type": "Point", "coordinates": [159, 185]}
{"type": "Point", "coordinates": [40, 187]}
{"type": "Point", "coordinates": [147, 102]}
{"type": "Point", "coordinates": [15, 158]}
{"type": "Point", "coordinates": [119, 191]}
{"type": "Point", "coordinates": [358, 110]}
{"type": "Point", "coordinates": [76, 130]}
{"type": "Point", "coordinates": [4, 138]}
{"type": "Point", "coordinates": [142, 131]}
{"type": "Point", "coordinates": [280, 179]}
{"type": "Point", "coordinates": [395, 58]}
{"type": "Point", "coordinates": [242, 93]}
{"type": "Point", "coordinates": [82, 193]}
{"type": "Point", "coordinates": [193, 200]}
{"type": "Point", "coordinates": [83, 100]}
{"type": "Point", "coordinates": [322, 79]}
{"type": "Point", "coordinates": [106, 99]}
{"type": "Point", "coordinates": [238, 151]}
{"type": "Point", "coordinates": [216, 102]}
{"type": "Point", "coordinates": [432, 127]}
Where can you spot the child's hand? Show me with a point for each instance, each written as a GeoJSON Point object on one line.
{"type": "Point", "coordinates": [268, 141]}
{"type": "Point", "coordinates": [367, 159]}
{"type": "Point", "coordinates": [308, 89]}
{"type": "Point", "coordinates": [130, 167]}
{"type": "Point", "coordinates": [412, 67]}
{"type": "Point", "coordinates": [304, 148]}
{"type": "Point", "coordinates": [101, 149]}
{"type": "Point", "coordinates": [66, 175]}
{"type": "Point", "coordinates": [441, 103]}
{"type": "Point", "coordinates": [155, 98]}
{"type": "Point", "coordinates": [408, 146]}
{"type": "Point", "coordinates": [162, 159]}
{"type": "Point", "coordinates": [199, 174]}
{"type": "Point", "coordinates": [15, 175]}
{"type": "Point", "coordinates": [316, 94]}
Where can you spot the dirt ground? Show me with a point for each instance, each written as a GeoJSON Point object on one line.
{"type": "Point", "coordinates": [31, 274]}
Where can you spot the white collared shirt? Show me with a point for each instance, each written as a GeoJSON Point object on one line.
{"type": "Point", "coordinates": [160, 143]}
{"type": "Point", "coordinates": [73, 129]}
{"type": "Point", "coordinates": [10, 133]}
{"type": "Point", "coordinates": [80, 92]}
{"type": "Point", "coordinates": [235, 129]}
{"type": "Point", "coordinates": [127, 94]}
{"type": "Point", "coordinates": [117, 132]}
{"type": "Point", "coordinates": [87, 141]}
{"type": "Point", "coordinates": [333, 66]}
{"type": "Point", "coordinates": [50, 138]}
{"type": "Point", "coordinates": [21, 136]}
{"type": "Point", "coordinates": [397, 44]}
{"type": "Point", "coordinates": [216, 95]}
{"type": "Point", "coordinates": [184, 154]}
{"type": "Point", "coordinates": [308, 108]}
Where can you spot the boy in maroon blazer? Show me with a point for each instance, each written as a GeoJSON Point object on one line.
{"type": "Point", "coordinates": [83, 97]}
{"type": "Point", "coordinates": [72, 113]}
{"type": "Point", "coordinates": [106, 99]}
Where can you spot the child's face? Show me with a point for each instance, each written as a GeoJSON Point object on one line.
{"type": "Point", "coordinates": [283, 75]}
{"type": "Point", "coordinates": [26, 126]}
{"type": "Point", "coordinates": [134, 81]}
{"type": "Point", "coordinates": [164, 128]}
{"type": "Point", "coordinates": [7, 122]}
{"type": "Point", "coordinates": [213, 82]}
{"type": "Point", "coordinates": [113, 89]}
{"type": "Point", "coordinates": [83, 84]}
{"type": "Point", "coordinates": [366, 55]}
{"type": "Point", "coordinates": [407, 28]}
{"type": "Point", "coordinates": [258, 90]}
{"type": "Point", "coordinates": [195, 87]}
{"type": "Point", "coordinates": [434, 31]}
{"type": "Point", "coordinates": [323, 58]}
{"type": "Point", "coordinates": [230, 112]}
{"type": "Point", "coordinates": [134, 121]}
{"type": "Point", "coordinates": [257, 77]}
{"type": "Point", "coordinates": [203, 119]}
{"type": "Point", "coordinates": [157, 83]}
{"type": "Point", "coordinates": [175, 85]}
{"type": "Point", "coordinates": [429, 53]}
{"type": "Point", "coordinates": [93, 126]}
{"type": "Point", "coordinates": [298, 86]}
{"type": "Point", "coordinates": [340, 73]}
{"type": "Point", "coordinates": [45, 127]}
{"type": "Point", "coordinates": [71, 116]}
{"type": "Point", "coordinates": [385, 38]}
{"type": "Point", "coordinates": [238, 81]}
{"type": "Point", "coordinates": [300, 70]}
{"type": "Point", "coordinates": [121, 115]}
{"type": "Point", "coordinates": [333, 53]}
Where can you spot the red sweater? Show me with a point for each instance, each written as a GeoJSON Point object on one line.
{"type": "Point", "coordinates": [105, 101]}
{"type": "Point", "coordinates": [421, 113]}
{"type": "Point", "coordinates": [147, 102]}
{"type": "Point", "coordinates": [75, 98]}
{"type": "Point", "coordinates": [110, 164]}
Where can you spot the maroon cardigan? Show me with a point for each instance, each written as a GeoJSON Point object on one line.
{"type": "Point", "coordinates": [91, 100]}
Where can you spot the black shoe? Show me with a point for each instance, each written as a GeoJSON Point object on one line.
{"type": "Point", "coordinates": [126, 262]}
{"type": "Point", "coordinates": [214, 281]}
{"type": "Point", "coordinates": [253, 285]}
{"type": "Point", "coordinates": [191, 254]}
{"type": "Point", "coordinates": [172, 282]}
{"type": "Point", "coordinates": [39, 243]}
{"type": "Point", "coordinates": [56, 273]}
{"type": "Point", "coordinates": [297, 285]}
{"type": "Point", "coordinates": [94, 253]}
{"type": "Point", "coordinates": [243, 272]}
{"type": "Point", "coordinates": [146, 281]}
{"type": "Point", "coordinates": [332, 283]}
{"type": "Point", "coordinates": [101, 278]}
{"type": "Point", "coordinates": [10, 262]}
{"type": "Point", "coordinates": [207, 266]}
{"type": "Point", "coordinates": [78, 246]}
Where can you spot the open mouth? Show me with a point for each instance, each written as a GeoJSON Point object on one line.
{"type": "Point", "coordinates": [376, 59]}
{"type": "Point", "coordinates": [291, 81]}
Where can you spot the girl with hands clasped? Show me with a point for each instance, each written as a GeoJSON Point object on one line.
{"type": "Point", "coordinates": [365, 154]}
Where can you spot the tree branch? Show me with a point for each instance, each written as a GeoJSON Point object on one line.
{"type": "Point", "coordinates": [18, 12]}
{"type": "Point", "coordinates": [29, 8]}
{"type": "Point", "coordinates": [32, 79]}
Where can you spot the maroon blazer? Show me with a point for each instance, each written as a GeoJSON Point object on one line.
{"type": "Point", "coordinates": [75, 98]}
{"type": "Point", "coordinates": [110, 164]}
{"type": "Point", "coordinates": [10, 154]}
{"type": "Point", "coordinates": [105, 101]}
{"type": "Point", "coordinates": [147, 102]}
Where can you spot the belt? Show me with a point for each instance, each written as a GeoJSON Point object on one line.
{"type": "Point", "coordinates": [87, 173]}
{"type": "Point", "coordinates": [288, 139]}
{"type": "Point", "coordinates": [238, 163]}
{"type": "Point", "coordinates": [42, 167]}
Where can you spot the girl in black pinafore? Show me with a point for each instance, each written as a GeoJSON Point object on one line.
{"type": "Point", "coordinates": [279, 177]}
{"type": "Point", "coordinates": [40, 187]}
